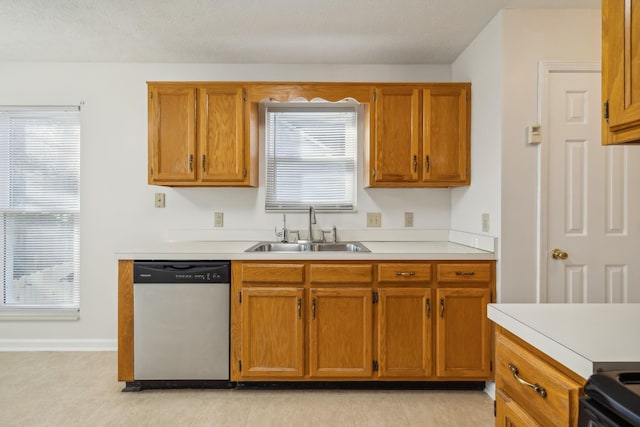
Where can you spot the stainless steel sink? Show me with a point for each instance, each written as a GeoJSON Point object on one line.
{"type": "Point", "coordinates": [308, 247]}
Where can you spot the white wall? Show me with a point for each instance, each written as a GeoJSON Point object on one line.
{"type": "Point", "coordinates": [117, 210]}
{"type": "Point", "coordinates": [531, 36]}
{"type": "Point", "coordinates": [502, 64]}
{"type": "Point", "coordinates": [481, 64]}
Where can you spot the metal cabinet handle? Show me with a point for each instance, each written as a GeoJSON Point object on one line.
{"type": "Point", "coordinates": [540, 390]}
{"type": "Point", "coordinates": [190, 162]}
{"type": "Point", "coordinates": [415, 163]}
{"type": "Point", "coordinates": [427, 164]}
{"type": "Point", "coordinates": [442, 307]}
{"type": "Point", "coordinates": [428, 303]}
{"type": "Point", "coordinates": [313, 308]}
{"type": "Point", "coordinates": [299, 307]}
{"type": "Point", "coordinates": [405, 273]}
{"type": "Point", "coordinates": [465, 273]}
{"type": "Point", "coordinates": [204, 158]}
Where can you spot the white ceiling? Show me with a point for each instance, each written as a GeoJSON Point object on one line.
{"type": "Point", "coordinates": [250, 31]}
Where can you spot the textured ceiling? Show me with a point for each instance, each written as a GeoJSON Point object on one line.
{"type": "Point", "coordinates": [249, 31]}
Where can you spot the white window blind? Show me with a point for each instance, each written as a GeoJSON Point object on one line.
{"type": "Point", "coordinates": [40, 208]}
{"type": "Point", "coordinates": [311, 156]}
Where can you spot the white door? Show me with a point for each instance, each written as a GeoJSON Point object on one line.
{"type": "Point", "coordinates": [593, 199]}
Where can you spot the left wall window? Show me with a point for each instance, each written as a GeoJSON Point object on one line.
{"type": "Point", "coordinates": [40, 210]}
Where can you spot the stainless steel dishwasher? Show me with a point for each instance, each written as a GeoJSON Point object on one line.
{"type": "Point", "coordinates": [180, 323]}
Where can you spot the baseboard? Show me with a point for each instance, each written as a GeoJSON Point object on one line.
{"type": "Point", "coordinates": [490, 389]}
{"type": "Point", "coordinates": [58, 345]}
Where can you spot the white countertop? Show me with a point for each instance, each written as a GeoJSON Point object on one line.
{"type": "Point", "coordinates": [583, 337]}
{"type": "Point", "coordinates": [235, 250]}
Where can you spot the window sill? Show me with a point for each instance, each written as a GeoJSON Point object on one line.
{"type": "Point", "coordinates": [7, 314]}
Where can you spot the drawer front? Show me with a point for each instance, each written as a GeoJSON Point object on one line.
{"type": "Point", "coordinates": [555, 401]}
{"type": "Point", "coordinates": [403, 272]}
{"type": "Point", "coordinates": [463, 272]}
{"type": "Point", "coordinates": [341, 273]}
{"type": "Point", "coordinates": [273, 273]}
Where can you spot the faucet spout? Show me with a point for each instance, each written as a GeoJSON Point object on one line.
{"type": "Point", "coordinates": [312, 220]}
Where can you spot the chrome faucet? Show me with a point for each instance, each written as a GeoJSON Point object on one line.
{"type": "Point", "coordinates": [312, 220]}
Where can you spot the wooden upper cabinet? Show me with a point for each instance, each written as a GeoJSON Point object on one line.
{"type": "Point", "coordinates": [221, 134]}
{"type": "Point", "coordinates": [621, 71]}
{"type": "Point", "coordinates": [172, 135]}
{"type": "Point", "coordinates": [201, 135]}
{"type": "Point", "coordinates": [397, 132]}
{"type": "Point", "coordinates": [446, 135]}
{"type": "Point", "coordinates": [421, 136]}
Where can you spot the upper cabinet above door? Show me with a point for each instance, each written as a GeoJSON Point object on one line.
{"type": "Point", "coordinates": [621, 71]}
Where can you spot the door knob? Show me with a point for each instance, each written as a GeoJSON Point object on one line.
{"type": "Point", "coordinates": [559, 254]}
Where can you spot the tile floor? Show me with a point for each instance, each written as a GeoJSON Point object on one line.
{"type": "Point", "coordinates": [80, 389]}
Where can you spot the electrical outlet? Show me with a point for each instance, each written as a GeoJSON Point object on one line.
{"type": "Point", "coordinates": [218, 219]}
{"type": "Point", "coordinates": [374, 219]}
{"type": "Point", "coordinates": [159, 200]}
{"type": "Point", "coordinates": [408, 219]}
{"type": "Point", "coordinates": [485, 222]}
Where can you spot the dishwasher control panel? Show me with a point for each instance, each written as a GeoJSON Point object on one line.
{"type": "Point", "coordinates": [181, 272]}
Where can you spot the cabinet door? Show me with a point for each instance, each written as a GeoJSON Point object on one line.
{"type": "Point", "coordinates": [510, 414]}
{"type": "Point", "coordinates": [340, 332]}
{"type": "Point", "coordinates": [621, 69]}
{"type": "Point", "coordinates": [272, 332]}
{"type": "Point", "coordinates": [463, 333]}
{"type": "Point", "coordinates": [404, 332]}
{"type": "Point", "coordinates": [446, 135]}
{"type": "Point", "coordinates": [172, 135]}
{"type": "Point", "coordinates": [397, 127]}
{"type": "Point", "coordinates": [221, 135]}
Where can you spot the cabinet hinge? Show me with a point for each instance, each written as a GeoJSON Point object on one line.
{"type": "Point", "coordinates": [240, 365]}
{"type": "Point", "coordinates": [467, 96]}
{"type": "Point", "coordinates": [374, 297]}
{"type": "Point", "coordinates": [490, 365]}
{"type": "Point", "coordinates": [606, 110]}
{"type": "Point", "coordinates": [244, 172]}
{"type": "Point", "coordinates": [374, 96]}
{"type": "Point", "coordinates": [374, 366]}
{"type": "Point", "coordinates": [244, 95]}
{"type": "Point", "coordinates": [373, 172]}
{"type": "Point", "coordinates": [491, 297]}
{"type": "Point", "coordinates": [495, 408]}
{"type": "Point", "coordinates": [240, 297]}
{"type": "Point", "coordinates": [150, 95]}
{"type": "Point", "coordinates": [151, 171]}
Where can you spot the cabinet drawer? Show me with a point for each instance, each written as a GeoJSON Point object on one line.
{"type": "Point", "coordinates": [273, 273]}
{"type": "Point", "coordinates": [341, 273]}
{"type": "Point", "coordinates": [464, 272]}
{"type": "Point", "coordinates": [403, 272]}
{"type": "Point", "coordinates": [554, 403]}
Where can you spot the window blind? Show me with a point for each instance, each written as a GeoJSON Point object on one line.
{"type": "Point", "coordinates": [40, 207]}
{"type": "Point", "coordinates": [311, 157]}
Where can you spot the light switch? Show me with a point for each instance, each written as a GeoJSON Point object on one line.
{"type": "Point", "coordinates": [408, 219]}
{"type": "Point", "coordinates": [218, 219]}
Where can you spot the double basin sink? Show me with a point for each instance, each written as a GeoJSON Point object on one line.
{"type": "Point", "coordinates": [308, 247]}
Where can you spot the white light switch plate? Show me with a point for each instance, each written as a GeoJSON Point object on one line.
{"type": "Point", "coordinates": [374, 219]}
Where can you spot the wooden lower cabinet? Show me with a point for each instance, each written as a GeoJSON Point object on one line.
{"type": "Point", "coordinates": [404, 332]}
{"type": "Point", "coordinates": [463, 333]}
{"type": "Point", "coordinates": [553, 403]}
{"type": "Point", "coordinates": [340, 338]}
{"type": "Point", "coordinates": [333, 320]}
{"type": "Point", "coordinates": [272, 332]}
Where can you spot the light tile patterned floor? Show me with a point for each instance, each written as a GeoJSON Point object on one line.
{"type": "Point", "coordinates": [80, 389]}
